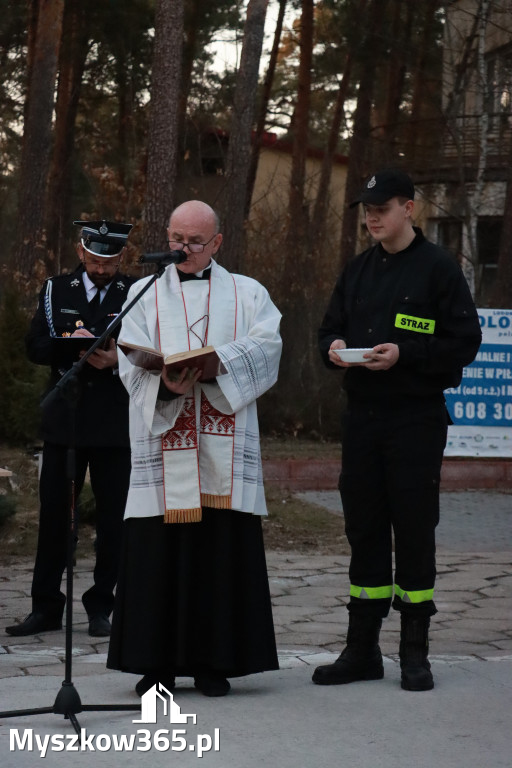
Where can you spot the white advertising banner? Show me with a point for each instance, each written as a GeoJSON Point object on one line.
{"type": "Point", "coordinates": [481, 406]}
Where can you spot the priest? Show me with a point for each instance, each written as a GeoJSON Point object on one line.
{"type": "Point", "coordinates": [193, 597]}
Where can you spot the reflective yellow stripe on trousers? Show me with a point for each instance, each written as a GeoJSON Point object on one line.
{"type": "Point", "coordinates": [371, 593]}
{"type": "Point", "coordinates": [414, 596]}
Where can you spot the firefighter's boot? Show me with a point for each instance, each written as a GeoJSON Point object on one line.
{"type": "Point", "coordinates": [414, 664]}
{"type": "Point", "coordinates": [360, 660]}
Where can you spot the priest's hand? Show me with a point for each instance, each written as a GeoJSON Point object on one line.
{"type": "Point", "coordinates": [183, 382]}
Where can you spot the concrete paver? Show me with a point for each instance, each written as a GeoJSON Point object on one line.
{"type": "Point", "coordinates": [281, 719]}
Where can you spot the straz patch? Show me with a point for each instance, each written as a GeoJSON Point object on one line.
{"type": "Point", "coordinates": [418, 324]}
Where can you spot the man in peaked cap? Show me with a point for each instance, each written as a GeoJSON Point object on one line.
{"type": "Point", "coordinates": [406, 303]}
{"type": "Point", "coordinates": [81, 304]}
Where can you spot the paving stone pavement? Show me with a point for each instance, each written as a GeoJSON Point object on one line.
{"type": "Point", "coordinates": [473, 596]}
{"type": "Point", "coordinates": [279, 718]}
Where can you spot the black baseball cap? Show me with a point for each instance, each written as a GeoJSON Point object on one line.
{"type": "Point", "coordinates": [103, 238]}
{"type": "Point", "coordinates": [384, 185]}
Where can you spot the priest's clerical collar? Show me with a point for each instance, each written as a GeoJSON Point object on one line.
{"type": "Point", "coordinates": [203, 275]}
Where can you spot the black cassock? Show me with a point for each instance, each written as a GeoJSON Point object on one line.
{"type": "Point", "coordinates": [193, 597]}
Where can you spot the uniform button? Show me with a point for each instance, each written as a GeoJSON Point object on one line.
{"type": "Point", "coordinates": [370, 330]}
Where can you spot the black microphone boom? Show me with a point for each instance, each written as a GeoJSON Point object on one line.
{"type": "Point", "coordinates": [164, 258]}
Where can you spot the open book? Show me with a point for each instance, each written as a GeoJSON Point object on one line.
{"type": "Point", "coordinates": [205, 358]}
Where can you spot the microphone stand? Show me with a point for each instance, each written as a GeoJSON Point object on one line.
{"type": "Point", "coordinates": [68, 701]}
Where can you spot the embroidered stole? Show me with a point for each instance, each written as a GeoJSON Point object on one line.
{"type": "Point", "coordinates": [197, 451]}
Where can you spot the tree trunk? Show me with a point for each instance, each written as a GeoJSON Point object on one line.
{"type": "Point", "coordinates": [474, 200]}
{"type": "Point", "coordinates": [356, 169]}
{"type": "Point", "coordinates": [397, 68]}
{"type": "Point", "coordinates": [35, 159]}
{"type": "Point", "coordinates": [463, 69]}
{"type": "Point", "coordinates": [320, 210]}
{"type": "Point", "coordinates": [163, 124]}
{"type": "Point", "coordinates": [298, 215]}
{"type": "Point", "coordinates": [33, 15]}
{"type": "Point", "coordinates": [420, 137]}
{"type": "Point", "coordinates": [502, 292]}
{"type": "Point", "coordinates": [124, 100]}
{"type": "Point", "coordinates": [262, 113]}
{"type": "Point", "coordinates": [239, 151]}
{"type": "Point", "coordinates": [189, 54]}
{"type": "Point", "coordinates": [299, 368]}
{"type": "Point", "coordinates": [72, 55]}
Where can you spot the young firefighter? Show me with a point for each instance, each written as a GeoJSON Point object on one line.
{"type": "Point", "coordinates": [407, 301]}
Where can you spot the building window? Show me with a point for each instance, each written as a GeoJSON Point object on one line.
{"type": "Point", "coordinates": [488, 234]}
{"type": "Point", "coordinates": [449, 236]}
{"type": "Point", "coordinates": [499, 84]}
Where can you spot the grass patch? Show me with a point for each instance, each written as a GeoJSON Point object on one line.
{"type": "Point", "coordinates": [7, 507]}
{"type": "Point", "coordinates": [294, 525]}
{"type": "Point", "coordinates": [295, 448]}
{"type": "Point", "coordinates": [18, 534]}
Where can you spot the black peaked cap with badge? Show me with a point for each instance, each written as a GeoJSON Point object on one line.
{"type": "Point", "coordinates": [382, 186]}
{"type": "Point", "coordinates": [103, 238]}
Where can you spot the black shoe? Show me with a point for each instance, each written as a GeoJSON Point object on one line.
{"type": "Point", "coordinates": [212, 685]}
{"type": "Point", "coordinates": [417, 677]}
{"type": "Point", "coordinates": [414, 647]}
{"type": "Point", "coordinates": [35, 623]}
{"type": "Point", "coordinates": [350, 667]}
{"type": "Point", "coordinates": [148, 681]}
{"type": "Point", "coordinates": [99, 625]}
{"type": "Point", "coordinates": [361, 659]}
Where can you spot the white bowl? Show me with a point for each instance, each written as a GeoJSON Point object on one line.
{"type": "Point", "coordinates": [354, 355]}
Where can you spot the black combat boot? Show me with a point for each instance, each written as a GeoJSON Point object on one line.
{"type": "Point", "coordinates": [361, 659]}
{"type": "Point", "coordinates": [416, 674]}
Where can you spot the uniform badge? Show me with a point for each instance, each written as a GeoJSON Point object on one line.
{"type": "Point", "coordinates": [79, 324]}
{"type": "Point", "coordinates": [371, 183]}
{"type": "Point", "coordinates": [75, 282]}
{"type": "Point", "coordinates": [66, 334]}
{"type": "Point", "coordinates": [120, 285]}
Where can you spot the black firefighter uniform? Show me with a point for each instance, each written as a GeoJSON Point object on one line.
{"type": "Point", "coordinates": [395, 425]}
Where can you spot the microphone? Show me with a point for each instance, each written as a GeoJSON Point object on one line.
{"type": "Point", "coordinates": [164, 258]}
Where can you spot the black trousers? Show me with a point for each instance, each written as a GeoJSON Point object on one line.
{"type": "Point", "coordinates": [109, 470]}
{"type": "Point", "coordinates": [389, 484]}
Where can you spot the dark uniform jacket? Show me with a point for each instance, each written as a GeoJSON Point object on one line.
{"type": "Point", "coordinates": [418, 299]}
{"type": "Point", "coordinates": [102, 409]}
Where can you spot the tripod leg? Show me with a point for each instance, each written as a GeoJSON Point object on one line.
{"type": "Point", "coordinates": [71, 473]}
{"type": "Point", "coordinates": [74, 722]}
